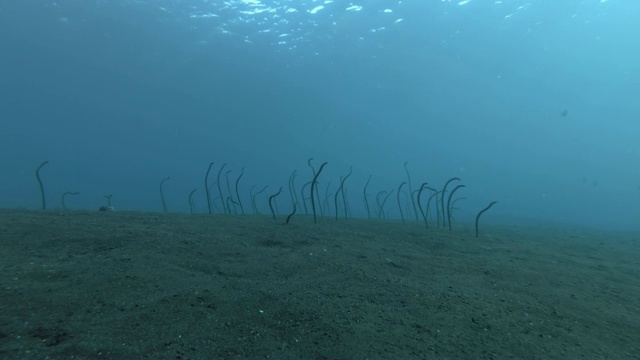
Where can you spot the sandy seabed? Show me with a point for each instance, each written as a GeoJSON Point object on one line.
{"type": "Point", "coordinates": [127, 285]}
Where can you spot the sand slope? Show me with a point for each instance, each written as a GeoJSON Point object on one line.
{"type": "Point", "coordinates": [146, 285]}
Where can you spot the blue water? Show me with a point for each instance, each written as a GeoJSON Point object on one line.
{"type": "Point", "coordinates": [533, 104]}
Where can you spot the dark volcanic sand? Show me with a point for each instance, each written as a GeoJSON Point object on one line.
{"type": "Point", "coordinates": [94, 285]}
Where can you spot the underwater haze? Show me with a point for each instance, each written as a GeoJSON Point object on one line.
{"type": "Point", "coordinates": [533, 104]}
